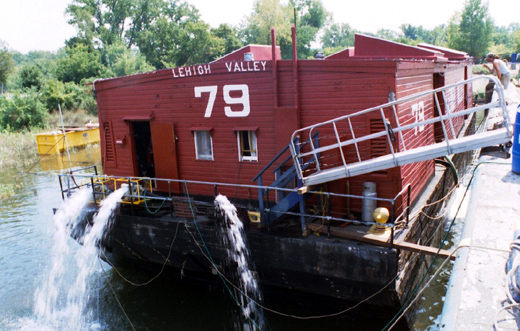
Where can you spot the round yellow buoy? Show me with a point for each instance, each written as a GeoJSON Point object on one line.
{"type": "Point", "coordinates": [381, 215]}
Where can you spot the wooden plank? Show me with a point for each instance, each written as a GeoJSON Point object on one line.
{"type": "Point", "coordinates": [379, 240]}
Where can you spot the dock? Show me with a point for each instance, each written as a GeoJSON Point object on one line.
{"type": "Point", "coordinates": [476, 298]}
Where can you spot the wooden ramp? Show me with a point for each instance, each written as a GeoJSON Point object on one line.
{"type": "Point", "coordinates": [378, 240]}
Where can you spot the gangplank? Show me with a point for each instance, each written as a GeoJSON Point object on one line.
{"type": "Point", "coordinates": [348, 146]}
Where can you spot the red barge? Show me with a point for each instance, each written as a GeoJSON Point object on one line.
{"type": "Point", "coordinates": [244, 126]}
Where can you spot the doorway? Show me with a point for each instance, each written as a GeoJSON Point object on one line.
{"type": "Point", "coordinates": [144, 149]}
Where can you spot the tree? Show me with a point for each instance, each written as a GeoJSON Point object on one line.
{"type": "Point", "coordinates": [79, 64]}
{"type": "Point", "coordinates": [473, 33]}
{"type": "Point", "coordinates": [6, 62]}
{"type": "Point", "coordinates": [123, 61]}
{"type": "Point", "coordinates": [338, 35]}
{"type": "Point", "coordinates": [30, 76]}
{"type": "Point", "coordinates": [310, 18]}
{"type": "Point", "coordinates": [230, 37]}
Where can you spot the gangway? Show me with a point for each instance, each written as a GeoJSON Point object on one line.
{"type": "Point", "coordinates": [405, 135]}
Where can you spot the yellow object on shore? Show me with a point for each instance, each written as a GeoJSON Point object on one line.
{"type": "Point", "coordinates": [53, 142]}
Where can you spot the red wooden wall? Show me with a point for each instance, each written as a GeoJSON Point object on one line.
{"type": "Point", "coordinates": [283, 96]}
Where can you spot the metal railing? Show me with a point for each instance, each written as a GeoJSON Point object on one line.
{"type": "Point", "coordinates": [137, 197]}
{"type": "Point", "coordinates": [395, 116]}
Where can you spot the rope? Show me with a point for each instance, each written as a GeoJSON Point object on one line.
{"type": "Point", "coordinates": [410, 301]}
{"type": "Point", "coordinates": [211, 259]}
{"type": "Point", "coordinates": [44, 155]}
{"type": "Point", "coordinates": [153, 278]}
{"type": "Point", "coordinates": [117, 299]}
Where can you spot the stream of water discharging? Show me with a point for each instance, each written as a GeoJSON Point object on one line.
{"type": "Point", "coordinates": [75, 315]}
{"type": "Point", "coordinates": [239, 254]}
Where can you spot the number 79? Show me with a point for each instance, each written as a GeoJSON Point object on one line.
{"type": "Point", "coordinates": [227, 89]}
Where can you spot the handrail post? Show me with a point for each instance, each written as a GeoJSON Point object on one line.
{"type": "Point", "coordinates": [93, 189]}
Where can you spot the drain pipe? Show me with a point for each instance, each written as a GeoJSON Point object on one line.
{"type": "Point", "coordinates": [369, 203]}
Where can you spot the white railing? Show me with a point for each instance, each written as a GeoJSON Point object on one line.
{"type": "Point", "coordinates": [346, 147]}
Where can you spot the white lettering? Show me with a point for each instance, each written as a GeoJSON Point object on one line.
{"type": "Point", "coordinates": [237, 67]}
{"type": "Point", "coordinates": [228, 66]}
{"type": "Point", "coordinates": [188, 71]}
{"type": "Point", "coordinates": [418, 113]}
{"type": "Point", "coordinates": [200, 70]}
{"type": "Point", "coordinates": [256, 66]}
{"type": "Point", "coordinates": [207, 69]}
{"type": "Point", "coordinates": [174, 74]}
{"type": "Point", "coordinates": [181, 72]}
{"type": "Point", "coordinates": [263, 64]}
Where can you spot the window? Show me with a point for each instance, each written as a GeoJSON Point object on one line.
{"type": "Point", "coordinates": [203, 145]}
{"type": "Point", "coordinates": [247, 146]}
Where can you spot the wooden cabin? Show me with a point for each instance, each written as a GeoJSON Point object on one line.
{"type": "Point", "coordinates": [224, 121]}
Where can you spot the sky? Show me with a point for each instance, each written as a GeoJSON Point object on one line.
{"type": "Point", "coordinates": [27, 25]}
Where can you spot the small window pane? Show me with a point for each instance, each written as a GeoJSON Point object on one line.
{"type": "Point", "coordinates": [247, 145]}
{"type": "Point", "coordinates": [203, 145]}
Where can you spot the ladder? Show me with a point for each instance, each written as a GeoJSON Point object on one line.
{"type": "Point", "coordinates": [400, 132]}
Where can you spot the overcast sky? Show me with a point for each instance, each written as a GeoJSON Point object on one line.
{"type": "Point", "coordinates": [42, 25]}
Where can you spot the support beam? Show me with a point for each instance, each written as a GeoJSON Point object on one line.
{"type": "Point", "coordinates": [379, 240]}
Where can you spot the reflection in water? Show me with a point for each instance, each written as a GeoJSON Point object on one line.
{"type": "Point", "coordinates": [80, 158]}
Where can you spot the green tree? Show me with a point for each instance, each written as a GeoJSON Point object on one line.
{"type": "Point", "coordinates": [230, 37]}
{"type": "Point", "coordinates": [80, 64]}
{"type": "Point", "coordinates": [22, 111]}
{"type": "Point", "coordinates": [338, 35]}
{"type": "Point", "coordinates": [123, 61]}
{"type": "Point", "coordinates": [472, 31]}
{"type": "Point", "coordinates": [310, 18]}
{"type": "Point", "coordinates": [30, 75]}
{"type": "Point", "coordinates": [6, 63]}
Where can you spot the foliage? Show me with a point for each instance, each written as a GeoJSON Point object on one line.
{"type": "Point", "coordinates": [471, 32]}
{"type": "Point", "coordinates": [17, 149]}
{"type": "Point", "coordinates": [123, 61]}
{"type": "Point", "coordinates": [230, 37]}
{"type": "Point", "coordinates": [6, 62]}
{"type": "Point", "coordinates": [22, 111]}
{"type": "Point", "coordinates": [79, 64]}
{"type": "Point", "coordinates": [55, 93]}
{"type": "Point", "coordinates": [310, 17]}
{"type": "Point", "coordinates": [30, 75]}
{"type": "Point", "coordinates": [338, 35]}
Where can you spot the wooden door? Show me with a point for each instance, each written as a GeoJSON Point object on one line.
{"type": "Point", "coordinates": [165, 155]}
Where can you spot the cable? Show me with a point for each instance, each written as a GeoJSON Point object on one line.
{"type": "Point", "coordinates": [117, 299]}
{"type": "Point", "coordinates": [211, 259]}
{"type": "Point", "coordinates": [153, 278]}
{"type": "Point", "coordinates": [409, 302]}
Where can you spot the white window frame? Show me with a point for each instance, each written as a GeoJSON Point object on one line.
{"type": "Point", "coordinates": [198, 135]}
{"type": "Point", "coordinates": [254, 146]}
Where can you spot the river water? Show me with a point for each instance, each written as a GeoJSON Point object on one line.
{"type": "Point", "coordinates": [26, 245]}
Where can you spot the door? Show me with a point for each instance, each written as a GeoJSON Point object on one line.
{"type": "Point", "coordinates": [165, 155]}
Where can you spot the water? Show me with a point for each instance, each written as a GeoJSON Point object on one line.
{"type": "Point", "coordinates": [66, 217]}
{"type": "Point", "coordinates": [253, 316]}
{"type": "Point", "coordinates": [27, 242]}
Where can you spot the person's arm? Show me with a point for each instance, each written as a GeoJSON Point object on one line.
{"type": "Point", "coordinates": [496, 67]}
{"type": "Point", "coordinates": [488, 68]}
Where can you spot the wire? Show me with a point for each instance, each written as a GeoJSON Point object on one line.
{"type": "Point", "coordinates": [410, 301]}
{"type": "Point", "coordinates": [211, 259]}
{"type": "Point", "coordinates": [117, 299]}
{"type": "Point", "coordinates": [153, 278]}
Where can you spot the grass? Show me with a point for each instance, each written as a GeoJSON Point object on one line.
{"type": "Point", "coordinates": [19, 149]}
